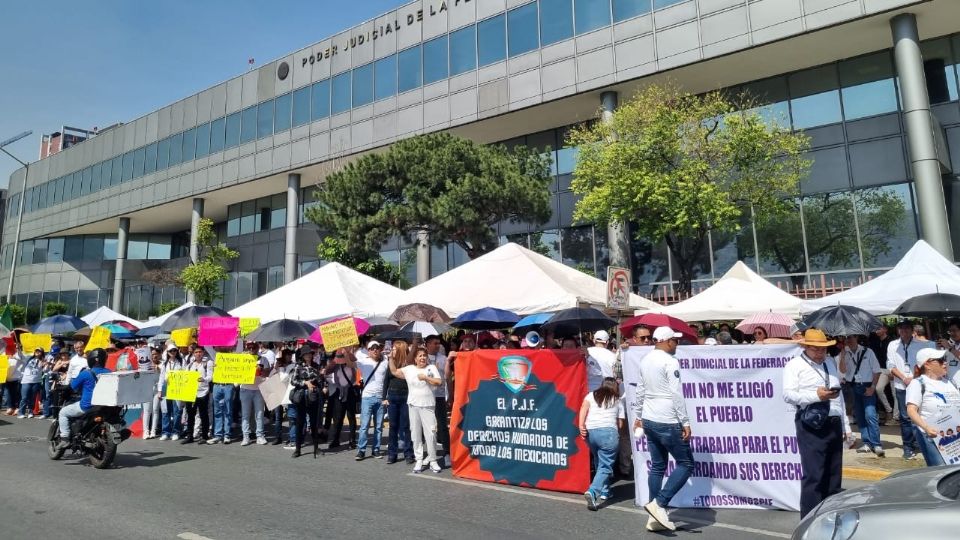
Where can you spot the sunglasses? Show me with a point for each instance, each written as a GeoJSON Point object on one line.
{"type": "Point", "coordinates": [645, 338]}
{"type": "Point", "coordinates": [338, 356]}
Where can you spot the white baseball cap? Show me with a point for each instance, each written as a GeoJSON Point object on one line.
{"type": "Point", "coordinates": [601, 336]}
{"type": "Point", "coordinates": [664, 333]}
{"type": "Point", "coordinates": [710, 341]}
{"type": "Point", "coordinates": [929, 354]}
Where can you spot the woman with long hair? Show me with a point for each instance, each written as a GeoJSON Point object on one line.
{"type": "Point", "coordinates": [930, 394]}
{"type": "Point", "coordinates": [421, 377]}
{"type": "Point", "coordinates": [341, 398]}
{"type": "Point", "coordinates": [601, 417]}
{"type": "Point", "coordinates": [395, 393]}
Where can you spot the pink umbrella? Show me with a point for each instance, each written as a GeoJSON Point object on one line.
{"type": "Point", "coordinates": [360, 324]}
{"type": "Point", "coordinates": [776, 324]}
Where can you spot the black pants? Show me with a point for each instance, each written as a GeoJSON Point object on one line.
{"type": "Point", "coordinates": [821, 456]}
{"type": "Point", "coordinates": [306, 409]}
{"type": "Point", "coordinates": [201, 405]}
{"type": "Point", "coordinates": [443, 430]}
{"type": "Point", "coordinates": [343, 408]}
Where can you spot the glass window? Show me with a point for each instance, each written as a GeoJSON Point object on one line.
{"type": "Point", "coordinates": [625, 9]}
{"type": "Point", "coordinates": [491, 40]}
{"type": "Point", "coordinates": [93, 248]}
{"type": "Point", "coordinates": [248, 220]}
{"type": "Point", "coordinates": [159, 248]}
{"type": "Point", "coordinates": [556, 21]}
{"type": "Point", "coordinates": [88, 174]}
{"type": "Point", "coordinates": [320, 100]}
{"type": "Point", "coordinates": [163, 155]}
{"type": "Point", "coordinates": [278, 216]}
{"type": "Point", "coordinates": [73, 248]}
{"type": "Point", "coordinates": [127, 167]}
{"type": "Point", "coordinates": [385, 77]}
{"type": "Point", "coordinates": [150, 159]}
{"type": "Point", "coordinates": [435, 60]}
{"type": "Point", "coordinates": [341, 93]}
{"type": "Point", "coordinates": [261, 214]}
{"type": "Point", "coordinates": [189, 145]}
{"type": "Point", "coordinates": [109, 248]}
{"type": "Point", "coordinates": [248, 124]}
{"type": "Point", "coordinates": [40, 251]}
{"type": "Point", "coordinates": [77, 180]}
{"type": "Point", "coordinates": [176, 149]}
{"type": "Point", "coordinates": [26, 252]}
{"type": "Point", "coordinates": [546, 243]}
{"type": "Point", "coordinates": [521, 29]}
{"type": "Point", "coordinates": [138, 156]}
{"type": "Point", "coordinates": [281, 116]}
{"type": "Point", "coordinates": [940, 71]}
{"type": "Point", "coordinates": [769, 100]}
{"type": "Point", "coordinates": [885, 216]}
{"type": "Point", "coordinates": [362, 85]}
{"type": "Point", "coordinates": [95, 176]}
{"type": "Point", "coordinates": [137, 248]}
{"type": "Point", "coordinates": [867, 86]}
{"type": "Point", "coordinates": [265, 119]}
{"type": "Point", "coordinates": [233, 220]}
{"type": "Point", "coordinates": [591, 14]}
{"type": "Point", "coordinates": [217, 135]}
{"type": "Point", "coordinates": [409, 68]}
{"type": "Point", "coordinates": [463, 50]}
{"type": "Point", "coordinates": [232, 137]}
{"type": "Point", "coordinates": [58, 190]}
{"type": "Point", "coordinates": [831, 238]}
{"type": "Point", "coordinates": [203, 140]}
{"type": "Point", "coordinates": [577, 248]}
{"type": "Point", "coordinates": [301, 106]}
{"type": "Point", "coordinates": [815, 100]}
{"type": "Point", "coordinates": [117, 166]}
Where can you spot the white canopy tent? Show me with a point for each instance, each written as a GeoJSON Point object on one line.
{"type": "Point", "coordinates": [517, 279]}
{"type": "Point", "coordinates": [157, 321]}
{"type": "Point", "coordinates": [331, 290]}
{"type": "Point", "coordinates": [103, 314]}
{"type": "Point", "coordinates": [922, 270]}
{"type": "Point", "coordinates": [737, 295]}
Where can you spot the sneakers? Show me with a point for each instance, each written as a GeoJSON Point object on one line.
{"type": "Point", "coordinates": [865, 449]}
{"type": "Point", "coordinates": [63, 445]}
{"type": "Point", "coordinates": [164, 437]}
{"type": "Point", "coordinates": [30, 415]}
{"type": "Point", "coordinates": [174, 437]}
{"type": "Point", "coordinates": [391, 460]}
{"type": "Point", "coordinates": [604, 496]}
{"type": "Point", "coordinates": [878, 450]}
{"type": "Point", "coordinates": [44, 416]}
{"type": "Point", "coordinates": [289, 446]}
{"type": "Point", "coordinates": [654, 525]}
{"type": "Point", "coordinates": [261, 440]}
{"type": "Point", "coordinates": [226, 440]}
{"type": "Point", "coordinates": [151, 435]}
{"type": "Point", "coordinates": [146, 435]}
{"type": "Point", "coordinates": [376, 454]}
{"type": "Point", "coordinates": [418, 467]}
{"type": "Point", "coordinates": [21, 416]}
{"type": "Point", "coordinates": [213, 441]}
{"type": "Point", "coordinates": [591, 500]}
{"type": "Point", "coordinates": [360, 456]}
{"type": "Point", "coordinates": [658, 513]}
{"type": "Point", "coordinates": [435, 467]}
{"type": "Point", "coordinates": [908, 455]}
{"type": "Point", "coordinates": [410, 459]}
{"type": "Point", "coordinates": [245, 442]}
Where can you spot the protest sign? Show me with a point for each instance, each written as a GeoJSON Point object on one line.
{"type": "Point", "coordinates": [182, 385]}
{"type": "Point", "coordinates": [4, 366]}
{"type": "Point", "coordinates": [275, 390]}
{"type": "Point", "coordinates": [31, 342]}
{"type": "Point", "coordinates": [99, 339]}
{"type": "Point", "coordinates": [234, 368]}
{"type": "Point", "coordinates": [248, 324]}
{"type": "Point", "coordinates": [182, 337]}
{"type": "Point", "coordinates": [218, 331]}
{"type": "Point", "coordinates": [340, 333]}
{"type": "Point", "coordinates": [947, 424]}
{"type": "Point", "coordinates": [744, 441]}
{"type": "Point", "coordinates": [515, 419]}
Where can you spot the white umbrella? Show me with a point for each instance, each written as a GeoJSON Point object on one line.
{"type": "Point", "coordinates": [426, 328]}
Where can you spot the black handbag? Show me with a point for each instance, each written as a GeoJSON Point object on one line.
{"type": "Point", "coordinates": [815, 415]}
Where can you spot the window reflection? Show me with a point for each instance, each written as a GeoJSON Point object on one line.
{"type": "Point", "coordinates": [463, 50]}
{"type": "Point", "coordinates": [301, 106]}
{"type": "Point", "coordinates": [340, 93]}
{"type": "Point", "coordinates": [815, 98]}
{"type": "Point", "coordinates": [625, 9]}
{"type": "Point", "coordinates": [435, 60]}
{"type": "Point", "coordinates": [248, 124]}
{"type": "Point", "coordinates": [281, 116]}
{"type": "Point", "coordinates": [491, 40]}
{"type": "Point", "coordinates": [320, 100]}
{"type": "Point", "coordinates": [408, 67]}
{"type": "Point", "coordinates": [940, 71]}
{"type": "Point", "coordinates": [203, 140]}
{"type": "Point", "coordinates": [385, 77]}
{"type": "Point", "coordinates": [831, 238]}
{"type": "Point", "coordinates": [522, 29]}
{"type": "Point", "coordinates": [591, 14]}
{"type": "Point", "coordinates": [577, 246]}
{"type": "Point", "coordinates": [363, 85]}
{"type": "Point", "coordinates": [556, 21]}
{"type": "Point", "coordinates": [887, 227]}
{"type": "Point", "coordinates": [265, 119]}
{"type": "Point", "coordinates": [867, 86]}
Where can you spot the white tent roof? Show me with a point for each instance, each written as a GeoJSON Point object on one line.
{"type": "Point", "coordinates": [922, 270]}
{"type": "Point", "coordinates": [104, 314]}
{"type": "Point", "coordinates": [331, 290]}
{"type": "Point", "coordinates": [514, 278]}
{"type": "Point", "coordinates": [157, 321]}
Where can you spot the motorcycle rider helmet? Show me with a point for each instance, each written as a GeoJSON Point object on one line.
{"type": "Point", "coordinates": [96, 358]}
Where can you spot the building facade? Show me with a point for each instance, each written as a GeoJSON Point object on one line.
{"type": "Point", "coordinates": [872, 82]}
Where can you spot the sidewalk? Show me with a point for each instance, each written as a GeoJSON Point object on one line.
{"type": "Point", "coordinates": [869, 466]}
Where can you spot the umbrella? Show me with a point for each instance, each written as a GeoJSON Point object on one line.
{"type": "Point", "coordinates": [58, 324]}
{"type": "Point", "coordinates": [487, 318]}
{"type": "Point", "coordinates": [379, 325]}
{"type": "Point", "coordinates": [149, 331]}
{"type": "Point", "coordinates": [531, 322]}
{"type": "Point", "coordinates": [83, 332]}
{"type": "Point", "coordinates": [129, 326]}
{"type": "Point", "coordinates": [843, 321]}
{"type": "Point", "coordinates": [656, 320]}
{"type": "Point", "coordinates": [419, 312]}
{"type": "Point", "coordinates": [282, 330]}
{"type": "Point", "coordinates": [361, 326]}
{"type": "Point", "coordinates": [776, 324]}
{"type": "Point", "coordinates": [576, 320]}
{"type": "Point", "coordinates": [399, 335]}
{"type": "Point", "coordinates": [932, 305]}
{"type": "Point", "coordinates": [189, 317]}
{"type": "Point", "coordinates": [426, 328]}
{"type": "Point", "coordinates": [117, 331]}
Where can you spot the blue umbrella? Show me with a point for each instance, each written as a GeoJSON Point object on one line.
{"type": "Point", "coordinates": [149, 331]}
{"type": "Point", "coordinates": [487, 318]}
{"type": "Point", "coordinates": [117, 331]}
{"type": "Point", "coordinates": [531, 322]}
{"type": "Point", "coordinates": [58, 324]}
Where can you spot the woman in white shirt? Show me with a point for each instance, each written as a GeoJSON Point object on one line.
{"type": "Point", "coordinates": [421, 377]}
{"type": "Point", "coordinates": [31, 373]}
{"type": "Point", "coordinates": [929, 395]}
{"type": "Point", "coordinates": [601, 417]}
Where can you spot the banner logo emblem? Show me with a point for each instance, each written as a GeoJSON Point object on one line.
{"type": "Point", "coordinates": [514, 372]}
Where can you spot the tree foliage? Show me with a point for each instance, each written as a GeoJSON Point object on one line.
{"type": "Point", "coordinates": [54, 308]}
{"type": "Point", "coordinates": [366, 262]}
{"type": "Point", "coordinates": [452, 188]}
{"type": "Point", "coordinates": [204, 276]}
{"type": "Point", "coordinates": [679, 165]}
{"type": "Point", "coordinates": [18, 314]}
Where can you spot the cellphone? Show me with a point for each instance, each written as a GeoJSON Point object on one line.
{"type": "Point", "coordinates": [834, 389]}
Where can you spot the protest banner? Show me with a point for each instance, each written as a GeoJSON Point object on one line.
{"type": "Point", "coordinates": [514, 419]}
{"type": "Point", "coordinates": [31, 342]}
{"type": "Point", "coordinates": [182, 337]}
{"type": "Point", "coordinates": [744, 441]}
{"type": "Point", "coordinates": [182, 385]}
{"type": "Point", "coordinates": [218, 331]}
{"type": "Point", "coordinates": [275, 390]}
{"type": "Point", "coordinates": [339, 333]}
{"type": "Point", "coordinates": [4, 367]}
{"type": "Point", "coordinates": [248, 324]}
{"type": "Point", "coordinates": [234, 368]}
{"type": "Point", "coordinates": [99, 339]}
{"type": "Point", "coordinates": [947, 424]}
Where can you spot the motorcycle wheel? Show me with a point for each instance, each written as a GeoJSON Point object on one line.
{"type": "Point", "coordinates": [102, 456]}
{"type": "Point", "coordinates": [53, 438]}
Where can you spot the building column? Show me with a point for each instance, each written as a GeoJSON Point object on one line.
{"type": "Point", "coordinates": [931, 205]}
{"type": "Point", "coordinates": [618, 236]}
{"type": "Point", "coordinates": [118, 282]}
{"type": "Point", "coordinates": [423, 257]}
{"type": "Point", "coordinates": [293, 217]}
{"type": "Point", "coordinates": [195, 216]}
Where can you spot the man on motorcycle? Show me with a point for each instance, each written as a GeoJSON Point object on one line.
{"type": "Point", "coordinates": [83, 383]}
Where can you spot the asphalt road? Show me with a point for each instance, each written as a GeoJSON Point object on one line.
{"type": "Point", "coordinates": [168, 490]}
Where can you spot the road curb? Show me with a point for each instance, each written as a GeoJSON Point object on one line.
{"type": "Point", "coordinates": [857, 473]}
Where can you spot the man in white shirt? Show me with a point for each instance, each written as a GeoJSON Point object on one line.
{"type": "Point", "coordinates": [600, 361]}
{"type": "Point", "coordinates": [811, 383]}
{"type": "Point", "coordinates": [373, 369]}
{"type": "Point", "coordinates": [659, 411]}
{"type": "Point", "coordinates": [901, 359]}
{"type": "Point", "coordinates": [952, 346]}
{"type": "Point", "coordinates": [436, 357]}
{"type": "Point", "coordinates": [863, 372]}
{"type": "Point", "coordinates": [78, 362]}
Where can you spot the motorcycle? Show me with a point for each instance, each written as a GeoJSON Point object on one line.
{"type": "Point", "coordinates": [96, 434]}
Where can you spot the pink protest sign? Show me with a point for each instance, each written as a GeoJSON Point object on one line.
{"type": "Point", "coordinates": [218, 331]}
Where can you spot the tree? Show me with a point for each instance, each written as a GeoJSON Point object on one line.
{"type": "Point", "coordinates": [204, 276]}
{"type": "Point", "coordinates": [164, 307]}
{"type": "Point", "coordinates": [54, 308]}
{"type": "Point", "coordinates": [454, 189]}
{"type": "Point", "coordinates": [366, 262]}
{"type": "Point", "coordinates": [18, 314]}
{"type": "Point", "coordinates": [679, 165]}
{"type": "Point", "coordinates": [162, 277]}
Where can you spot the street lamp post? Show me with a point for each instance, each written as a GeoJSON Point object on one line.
{"type": "Point", "coordinates": [23, 193]}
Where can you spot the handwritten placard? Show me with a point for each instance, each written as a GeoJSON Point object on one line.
{"type": "Point", "coordinates": [218, 331]}
{"type": "Point", "coordinates": [31, 342]}
{"type": "Point", "coordinates": [182, 385]}
{"type": "Point", "coordinates": [4, 366]}
{"type": "Point", "coordinates": [182, 337]}
{"type": "Point", "coordinates": [99, 339]}
{"type": "Point", "coordinates": [235, 368]}
{"type": "Point", "coordinates": [248, 324]}
{"type": "Point", "coordinates": [341, 333]}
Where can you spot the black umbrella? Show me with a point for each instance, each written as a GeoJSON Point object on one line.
{"type": "Point", "coordinates": [190, 317]}
{"type": "Point", "coordinates": [380, 324]}
{"type": "Point", "coordinates": [933, 305]}
{"type": "Point", "coordinates": [282, 330]}
{"type": "Point", "coordinates": [396, 335]}
{"type": "Point", "coordinates": [148, 331]}
{"type": "Point", "coordinates": [58, 325]}
{"type": "Point", "coordinates": [487, 318]}
{"type": "Point", "coordinates": [576, 320]}
{"type": "Point", "coordinates": [842, 321]}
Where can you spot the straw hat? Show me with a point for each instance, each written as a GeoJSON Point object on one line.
{"type": "Point", "coordinates": [816, 338]}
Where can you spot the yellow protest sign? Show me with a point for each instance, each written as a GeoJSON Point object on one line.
{"type": "Point", "coordinates": [248, 324]}
{"type": "Point", "coordinates": [99, 339]}
{"type": "Point", "coordinates": [4, 367]}
{"type": "Point", "coordinates": [182, 337]}
{"type": "Point", "coordinates": [336, 334]}
{"type": "Point", "coordinates": [32, 342]}
{"type": "Point", "coordinates": [182, 385]}
{"type": "Point", "coordinates": [234, 368]}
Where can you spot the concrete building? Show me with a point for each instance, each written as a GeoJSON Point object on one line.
{"type": "Point", "coordinates": [873, 82]}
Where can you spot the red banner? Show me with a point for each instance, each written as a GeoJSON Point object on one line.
{"type": "Point", "coordinates": [514, 419]}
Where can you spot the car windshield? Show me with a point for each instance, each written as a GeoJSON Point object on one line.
{"type": "Point", "coordinates": [949, 485]}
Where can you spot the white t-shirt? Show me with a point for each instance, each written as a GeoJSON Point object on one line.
{"type": "Point", "coordinates": [603, 417]}
{"type": "Point", "coordinates": [904, 358]}
{"type": "Point", "coordinates": [77, 364]}
{"type": "Point", "coordinates": [368, 366]}
{"type": "Point", "coordinates": [937, 396]}
{"type": "Point", "coordinates": [600, 363]}
{"type": "Point", "coordinates": [420, 393]}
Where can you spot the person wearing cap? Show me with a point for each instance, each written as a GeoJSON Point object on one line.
{"type": "Point", "coordinates": [863, 372]}
{"type": "Point", "coordinates": [662, 414]}
{"type": "Point", "coordinates": [600, 360]}
{"type": "Point", "coordinates": [811, 383]}
{"type": "Point", "coordinates": [901, 359]}
{"type": "Point", "coordinates": [373, 370]}
{"type": "Point", "coordinates": [930, 395]}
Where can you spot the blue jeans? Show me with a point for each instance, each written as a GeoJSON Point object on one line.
{"type": "Point", "coordinates": [170, 419]}
{"type": "Point", "coordinates": [278, 423]}
{"type": "Point", "coordinates": [604, 445]}
{"type": "Point", "coordinates": [28, 396]}
{"type": "Point", "coordinates": [865, 408]}
{"type": "Point", "coordinates": [928, 447]}
{"type": "Point", "coordinates": [399, 415]}
{"type": "Point", "coordinates": [907, 430]}
{"type": "Point", "coordinates": [251, 401]}
{"type": "Point", "coordinates": [68, 412]}
{"type": "Point", "coordinates": [370, 407]}
{"type": "Point", "coordinates": [664, 440]}
{"type": "Point", "coordinates": [222, 410]}
{"type": "Point", "coordinates": [46, 398]}
{"type": "Point", "coordinates": [292, 420]}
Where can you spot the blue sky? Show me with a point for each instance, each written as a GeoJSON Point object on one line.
{"type": "Point", "coordinates": [94, 63]}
